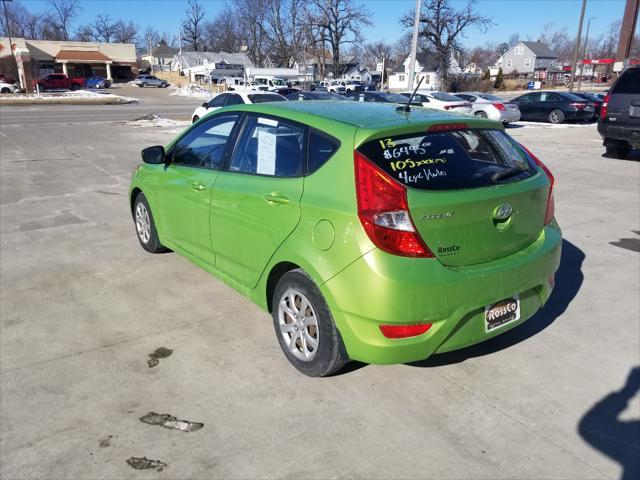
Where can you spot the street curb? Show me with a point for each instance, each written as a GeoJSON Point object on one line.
{"type": "Point", "coordinates": [4, 100]}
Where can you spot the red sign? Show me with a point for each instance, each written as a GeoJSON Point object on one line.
{"type": "Point", "coordinates": [598, 61]}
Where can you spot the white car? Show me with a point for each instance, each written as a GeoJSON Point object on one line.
{"type": "Point", "coordinates": [489, 106]}
{"type": "Point", "coordinates": [337, 86]}
{"type": "Point", "coordinates": [441, 101]}
{"type": "Point", "coordinates": [234, 98]}
{"type": "Point", "coordinates": [8, 88]}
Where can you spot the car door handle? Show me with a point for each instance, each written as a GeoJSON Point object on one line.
{"type": "Point", "coordinates": [276, 199]}
{"type": "Point", "coordinates": [198, 186]}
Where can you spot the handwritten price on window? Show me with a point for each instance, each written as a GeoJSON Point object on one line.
{"type": "Point", "coordinates": [400, 165]}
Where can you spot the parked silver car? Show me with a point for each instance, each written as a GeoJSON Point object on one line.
{"type": "Point", "coordinates": [150, 81]}
{"type": "Point", "coordinates": [490, 106]}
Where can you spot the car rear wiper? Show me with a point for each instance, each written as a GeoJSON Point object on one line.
{"type": "Point", "coordinates": [509, 172]}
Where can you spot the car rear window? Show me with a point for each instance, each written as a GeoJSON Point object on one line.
{"type": "Point", "coordinates": [266, 98]}
{"type": "Point", "coordinates": [450, 160]}
{"type": "Point", "coordinates": [629, 82]}
{"type": "Point", "coordinates": [446, 97]}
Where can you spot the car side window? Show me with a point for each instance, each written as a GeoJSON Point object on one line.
{"type": "Point", "coordinates": [321, 148]}
{"type": "Point", "coordinates": [218, 100]}
{"type": "Point", "coordinates": [204, 146]}
{"type": "Point", "coordinates": [233, 99]}
{"type": "Point", "coordinates": [270, 147]}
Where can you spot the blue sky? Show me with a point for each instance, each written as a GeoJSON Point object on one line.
{"type": "Point", "coordinates": [526, 17]}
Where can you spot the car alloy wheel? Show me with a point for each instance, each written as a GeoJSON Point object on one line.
{"type": "Point", "coordinates": [144, 85]}
{"type": "Point", "coordinates": [480, 115]}
{"type": "Point", "coordinates": [556, 116]}
{"type": "Point", "coordinates": [143, 223]}
{"type": "Point", "coordinates": [298, 325]}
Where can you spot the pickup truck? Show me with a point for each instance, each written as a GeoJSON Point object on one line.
{"type": "Point", "coordinates": [59, 81]}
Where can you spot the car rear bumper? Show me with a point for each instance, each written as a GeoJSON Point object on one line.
{"type": "Point", "coordinates": [507, 116]}
{"type": "Point", "coordinates": [629, 133]}
{"type": "Point", "coordinates": [380, 288]}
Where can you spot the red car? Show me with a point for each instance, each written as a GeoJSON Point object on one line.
{"type": "Point", "coordinates": [59, 81]}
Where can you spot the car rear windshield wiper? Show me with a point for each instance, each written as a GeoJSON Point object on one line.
{"type": "Point", "coordinates": [509, 172]}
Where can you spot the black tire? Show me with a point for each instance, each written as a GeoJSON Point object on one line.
{"type": "Point", "coordinates": [163, 85]}
{"type": "Point", "coordinates": [195, 119]}
{"type": "Point", "coordinates": [5, 90]}
{"type": "Point", "coordinates": [617, 148]}
{"type": "Point", "coordinates": [330, 355]}
{"type": "Point", "coordinates": [153, 244]}
{"type": "Point", "coordinates": [75, 87]}
{"type": "Point", "coordinates": [41, 87]}
{"type": "Point", "coordinates": [143, 84]}
{"type": "Point", "coordinates": [480, 115]}
{"type": "Point", "coordinates": [556, 116]}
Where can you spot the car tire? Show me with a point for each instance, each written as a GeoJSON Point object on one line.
{"type": "Point", "coordinates": [617, 148]}
{"type": "Point", "coordinates": [300, 318]}
{"type": "Point", "coordinates": [145, 226]}
{"type": "Point", "coordinates": [195, 119]}
{"type": "Point", "coordinates": [480, 115]}
{"type": "Point", "coordinates": [143, 84]}
{"type": "Point", "coordinates": [41, 87]}
{"type": "Point", "coordinates": [5, 90]}
{"type": "Point", "coordinates": [163, 85]}
{"type": "Point", "coordinates": [556, 116]}
{"type": "Point", "coordinates": [74, 87]}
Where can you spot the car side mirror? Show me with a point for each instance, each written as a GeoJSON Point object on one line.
{"type": "Point", "coordinates": [205, 104]}
{"type": "Point", "coordinates": [153, 155]}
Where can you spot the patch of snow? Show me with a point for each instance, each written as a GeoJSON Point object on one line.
{"type": "Point", "coordinates": [192, 90]}
{"type": "Point", "coordinates": [154, 120]}
{"type": "Point", "coordinates": [551, 125]}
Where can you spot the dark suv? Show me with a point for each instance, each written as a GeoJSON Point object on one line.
{"type": "Point", "coordinates": [619, 122]}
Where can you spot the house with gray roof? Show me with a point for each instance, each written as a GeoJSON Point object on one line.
{"type": "Point", "coordinates": [427, 69]}
{"type": "Point", "coordinates": [217, 64]}
{"type": "Point", "coordinates": [160, 57]}
{"type": "Point", "coordinates": [526, 57]}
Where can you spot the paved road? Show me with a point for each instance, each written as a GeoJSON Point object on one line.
{"type": "Point", "coordinates": [83, 307]}
{"type": "Point", "coordinates": [151, 100]}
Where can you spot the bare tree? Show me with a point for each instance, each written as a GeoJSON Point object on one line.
{"type": "Point", "coordinates": [513, 40]}
{"type": "Point", "coordinates": [125, 32]}
{"type": "Point", "coordinates": [559, 41]}
{"type": "Point", "coordinates": [19, 22]}
{"type": "Point", "coordinates": [58, 19]}
{"type": "Point", "coordinates": [284, 35]}
{"type": "Point", "coordinates": [193, 25]}
{"type": "Point", "coordinates": [223, 33]}
{"type": "Point", "coordinates": [100, 30]}
{"type": "Point", "coordinates": [443, 26]}
{"type": "Point", "coordinates": [251, 24]}
{"type": "Point", "coordinates": [339, 22]}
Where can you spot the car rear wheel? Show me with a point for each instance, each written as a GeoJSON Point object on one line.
{"type": "Point", "coordinates": [41, 87]}
{"type": "Point", "coordinates": [556, 116]}
{"type": "Point", "coordinates": [75, 87]}
{"type": "Point", "coordinates": [143, 84]}
{"type": "Point", "coordinates": [304, 326]}
{"type": "Point", "coordinates": [145, 226]}
{"type": "Point", "coordinates": [617, 148]}
{"type": "Point", "coordinates": [480, 114]}
{"type": "Point", "coordinates": [5, 90]}
{"type": "Point", "coordinates": [163, 85]}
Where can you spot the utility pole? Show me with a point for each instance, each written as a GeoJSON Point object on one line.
{"type": "Point", "coordinates": [6, 20]}
{"type": "Point", "coordinates": [414, 46]}
{"type": "Point", "coordinates": [629, 22]}
{"type": "Point", "coordinates": [577, 49]}
{"type": "Point", "coordinates": [584, 55]}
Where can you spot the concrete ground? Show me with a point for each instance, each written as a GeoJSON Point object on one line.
{"type": "Point", "coordinates": [84, 308]}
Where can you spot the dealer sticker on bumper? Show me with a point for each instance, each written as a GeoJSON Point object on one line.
{"type": "Point", "coordinates": [501, 313]}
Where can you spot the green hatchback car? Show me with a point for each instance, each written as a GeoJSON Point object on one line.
{"type": "Point", "coordinates": [368, 232]}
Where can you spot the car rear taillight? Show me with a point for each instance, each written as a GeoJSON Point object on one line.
{"type": "Point", "coordinates": [384, 212]}
{"type": "Point", "coordinates": [578, 106]}
{"type": "Point", "coordinates": [603, 107]}
{"type": "Point", "coordinates": [447, 127]}
{"type": "Point", "coordinates": [499, 106]}
{"type": "Point", "coordinates": [551, 204]}
{"type": "Point", "coordinates": [404, 331]}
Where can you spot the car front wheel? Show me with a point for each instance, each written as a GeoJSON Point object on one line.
{"type": "Point", "coordinates": [143, 85]}
{"type": "Point", "coordinates": [480, 115]}
{"type": "Point", "coordinates": [617, 148]}
{"type": "Point", "coordinates": [304, 326]}
{"type": "Point", "coordinates": [163, 85]}
{"type": "Point", "coordinates": [195, 118]}
{"type": "Point", "coordinates": [5, 90]}
{"type": "Point", "coordinates": [556, 116]}
{"type": "Point", "coordinates": [145, 226]}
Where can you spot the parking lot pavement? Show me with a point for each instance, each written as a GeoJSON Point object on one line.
{"type": "Point", "coordinates": [84, 307]}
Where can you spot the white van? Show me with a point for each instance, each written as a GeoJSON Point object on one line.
{"type": "Point", "coordinates": [232, 83]}
{"type": "Point", "coordinates": [269, 82]}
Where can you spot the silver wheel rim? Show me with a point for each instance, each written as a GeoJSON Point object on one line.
{"type": "Point", "coordinates": [555, 117]}
{"type": "Point", "coordinates": [143, 223]}
{"type": "Point", "coordinates": [298, 325]}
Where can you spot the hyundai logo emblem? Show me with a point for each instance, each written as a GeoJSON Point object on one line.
{"type": "Point", "coordinates": [503, 211]}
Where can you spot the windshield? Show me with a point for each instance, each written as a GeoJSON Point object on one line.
{"type": "Point", "coordinates": [493, 98]}
{"type": "Point", "coordinates": [446, 97]}
{"type": "Point", "coordinates": [279, 82]}
{"type": "Point", "coordinates": [450, 160]}
{"type": "Point", "coordinates": [267, 97]}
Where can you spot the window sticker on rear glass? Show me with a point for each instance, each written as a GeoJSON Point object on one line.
{"type": "Point", "coordinates": [447, 160]}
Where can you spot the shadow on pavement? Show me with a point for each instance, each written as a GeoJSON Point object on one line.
{"type": "Point", "coordinates": [617, 439]}
{"type": "Point", "coordinates": [569, 279]}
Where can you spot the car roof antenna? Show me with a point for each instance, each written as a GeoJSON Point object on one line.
{"type": "Point", "coordinates": [406, 107]}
